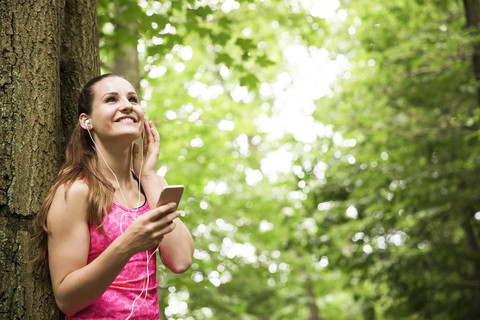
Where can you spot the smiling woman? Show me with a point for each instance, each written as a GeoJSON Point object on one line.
{"type": "Point", "coordinates": [100, 209]}
{"type": "Point", "coordinates": [118, 110]}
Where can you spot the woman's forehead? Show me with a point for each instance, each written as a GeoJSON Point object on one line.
{"type": "Point", "coordinates": [112, 84]}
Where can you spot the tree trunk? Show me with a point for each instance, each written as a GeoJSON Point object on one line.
{"type": "Point", "coordinates": [312, 306]}
{"type": "Point", "coordinates": [127, 64]}
{"type": "Point", "coordinates": [473, 245]}
{"type": "Point", "coordinates": [38, 79]}
{"type": "Point", "coordinates": [472, 13]}
{"type": "Point", "coordinates": [80, 60]}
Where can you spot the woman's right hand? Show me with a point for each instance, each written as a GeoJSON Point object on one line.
{"type": "Point", "coordinates": [147, 231]}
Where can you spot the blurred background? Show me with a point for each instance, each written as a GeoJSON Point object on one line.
{"type": "Point", "coordinates": [329, 150]}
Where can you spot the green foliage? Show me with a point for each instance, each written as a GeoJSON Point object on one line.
{"type": "Point", "coordinates": [375, 217]}
{"type": "Point", "coordinates": [411, 181]}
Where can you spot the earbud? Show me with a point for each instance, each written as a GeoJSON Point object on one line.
{"type": "Point", "coordinates": [87, 123]}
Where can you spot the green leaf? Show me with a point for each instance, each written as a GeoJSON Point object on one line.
{"type": "Point", "coordinates": [264, 61]}
{"type": "Point", "coordinates": [249, 80]}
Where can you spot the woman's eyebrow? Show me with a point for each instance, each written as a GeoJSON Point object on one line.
{"type": "Point", "coordinates": [110, 93]}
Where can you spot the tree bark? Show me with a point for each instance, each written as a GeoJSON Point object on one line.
{"type": "Point", "coordinates": [473, 245]}
{"type": "Point", "coordinates": [312, 306]}
{"type": "Point", "coordinates": [127, 64]}
{"type": "Point", "coordinates": [472, 13]}
{"type": "Point", "coordinates": [80, 60]}
{"type": "Point", "coordinates": [38, 78]}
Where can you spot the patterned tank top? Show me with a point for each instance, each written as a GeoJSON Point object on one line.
{"type": "Point", "coordinates": [125, 293]}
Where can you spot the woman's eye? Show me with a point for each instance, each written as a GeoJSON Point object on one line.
{"type": "Point", "coordinates": [133, 99]}
{"type": "Point", "coordinates": [111, 99]}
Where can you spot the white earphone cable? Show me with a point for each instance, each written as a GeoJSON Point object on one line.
{"type": "Point", "coordinates": [134, 216]}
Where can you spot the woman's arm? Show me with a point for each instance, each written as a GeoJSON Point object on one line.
{"type": "Point", "coordinates": [176, 249]}
{"type": "Point", "coordinates": [76, 284]}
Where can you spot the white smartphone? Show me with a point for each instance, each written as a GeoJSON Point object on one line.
{"type": "Point", "coordinates": [170, 194]}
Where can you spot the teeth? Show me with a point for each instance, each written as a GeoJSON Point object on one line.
{"type": "Point", "coordinates": [126, 120]}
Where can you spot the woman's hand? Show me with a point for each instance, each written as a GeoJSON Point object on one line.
{"type": "Point", "coordinates": [148, 230]}
{"type": "Point", "coordinates": [151, 151]}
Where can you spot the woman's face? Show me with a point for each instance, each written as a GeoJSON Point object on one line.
{"type": "Point", "coordinates": [116, 111]}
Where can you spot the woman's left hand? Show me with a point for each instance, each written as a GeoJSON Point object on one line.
{"type": "Point", "coordinates": [151, 151]}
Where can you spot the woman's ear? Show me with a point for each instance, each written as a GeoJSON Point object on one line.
{"type": "Point", "coordinates": [85, 123]}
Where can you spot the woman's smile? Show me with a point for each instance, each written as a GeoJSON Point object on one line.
{"type": "Point", "coordinates": [126, 119]}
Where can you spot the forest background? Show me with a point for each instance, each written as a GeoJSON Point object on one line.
{"type": "Point", "coordinates": [329, 150]}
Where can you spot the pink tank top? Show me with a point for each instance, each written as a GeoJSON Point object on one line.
{"type": "Point", "coordinates": [118, 300]}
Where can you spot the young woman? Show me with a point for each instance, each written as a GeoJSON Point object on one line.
{"type": "Point", "coordinates": [98, 226]}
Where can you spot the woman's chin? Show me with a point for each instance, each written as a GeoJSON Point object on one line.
{"type": "Point", "coordinates": [126, 135]}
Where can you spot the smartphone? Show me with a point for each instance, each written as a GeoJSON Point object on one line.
{"type": "Point", "coordinates": [170, 194]}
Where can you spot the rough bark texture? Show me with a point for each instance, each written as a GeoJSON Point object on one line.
{"type": "Point", "coordinates": [34, 124]}
{"type": "Point", "coordinates": [79, 58]}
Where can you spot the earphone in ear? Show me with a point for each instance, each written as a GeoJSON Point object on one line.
{"type": "Point", "coordinates": [87, 123]}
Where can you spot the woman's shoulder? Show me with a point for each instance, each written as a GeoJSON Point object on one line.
{"type": "Point", "coordinates": [72, 196]}
{"type": "Point", "coordinates": [77, 189]}
{"type": "Point", "coordinates": [67, 219]}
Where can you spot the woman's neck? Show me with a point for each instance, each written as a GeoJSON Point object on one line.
{"type": "Point", "coordinates": [116, 159]}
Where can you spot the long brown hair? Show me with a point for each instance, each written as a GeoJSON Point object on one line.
{"type": "Point", "coordinates": [81, 161]}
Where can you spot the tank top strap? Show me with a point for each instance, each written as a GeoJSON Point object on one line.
{"type": "Point", "coordinates": [138, 181]}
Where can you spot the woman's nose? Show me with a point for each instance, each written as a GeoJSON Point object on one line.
{"type": "Point", "coordinates": [126, 105]}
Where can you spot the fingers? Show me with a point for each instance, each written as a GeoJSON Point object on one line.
{"type": "Point", "coordinates": [164, 211]}
{"type": "Point", "coordinates": [150, 133]}
{"type": "Point", "coordinates": [164, 226]}
{"type": "Point", "coordinates": [164, 231]}
{"type": "Point", "coordinates": [168, 207]}
{"type": "Point", "coordinates": [149, 229]}
{"type": "Point", "coordinates": [158, 237]}
{"type": "Point", "coordinates": [157, 227]}
{"type": "Point", "coordinates": [162, 219]}
{"type": "Point", "coordinates": [155, 134]}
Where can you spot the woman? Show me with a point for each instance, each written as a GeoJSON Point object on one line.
{"type": "Point", "coordinates": [96, 227]}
